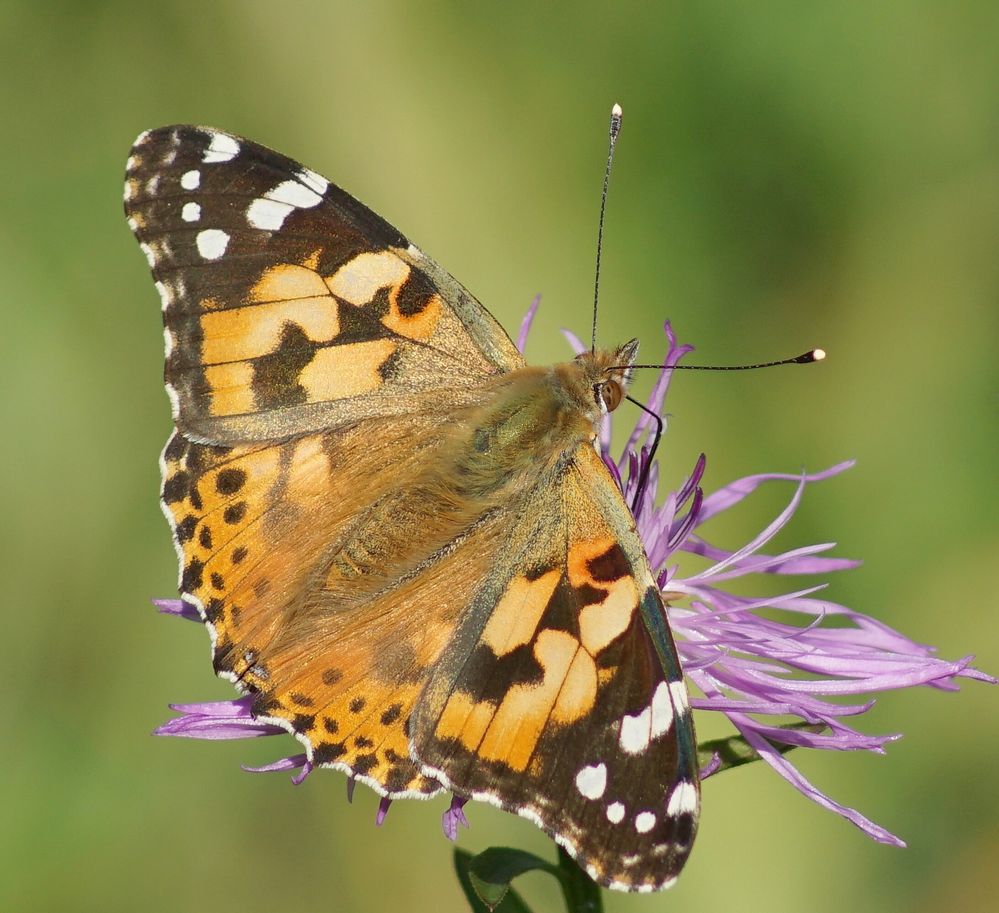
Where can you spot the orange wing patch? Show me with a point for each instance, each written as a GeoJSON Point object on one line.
{"type": "Point", "coordinates": [515, 619]}
{"type": "Point", "coordinates": [565, 689]}
{"type": "Point", "coordinates": [599, 566]}
{"type": "Point", "coordinates": [303, 337]}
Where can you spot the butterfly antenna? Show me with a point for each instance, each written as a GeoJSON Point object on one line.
{"type": "Point", "coordinates": [806, 358]}
{"type": "Point", "coordinates": [615, 129]}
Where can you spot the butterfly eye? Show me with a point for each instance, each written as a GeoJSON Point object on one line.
{"type": "Point", "coordinates": [609, 393]}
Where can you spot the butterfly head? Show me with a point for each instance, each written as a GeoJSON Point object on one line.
{"type": "Point", "coordinates": [608, 373]}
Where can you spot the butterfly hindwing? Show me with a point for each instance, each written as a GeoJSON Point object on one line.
{"type": "Point", "coordinates": [288, 306]}
{"type": "Point", "coordinates": [554, 700]}
{"type": "Point", "coordinates": [270, 537]}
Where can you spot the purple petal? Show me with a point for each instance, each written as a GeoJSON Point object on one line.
{"type": "Point", "coordinates": [525, 324]}
{"type": "Point", "coordinates": [693, 481]}
{"type": "Point", "coordinates": [574, 341]}
{"type": "Point", "coordinates": [760, 540]}
{"type": "Point", "coordinates": [783, 767]}
{"type": "Point", "coordinates": [655, 401]}
{"type": "Point", "coordinates": [454, 816]}
{"type": "Point", "coordinates": [711, 767]}
{"type": "Point", "coordinates": [213, 730]}
{"type": "Point", "coordinates": [732, 494]}
{"type": "Point", "coordinates": [216, 720]}
{"type": "Point", "coordinates": [292, 763]}
{"type": "Point", "coordinates": [177, 607]}
{"type": "Point", "coordinates": [775, 564]}
{"type": "Point", "coordinates": [383, 806]}
{"type": "Point", "coordinates": [236, 708]}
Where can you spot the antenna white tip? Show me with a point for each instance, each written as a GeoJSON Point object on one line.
{"type": "Point", "coordinates": [818, 354]}
{"type": "Point", "coordinates": [616, 111]}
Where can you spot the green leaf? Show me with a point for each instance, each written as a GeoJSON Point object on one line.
{"type": "Point", "coordinates": [485, 896]}
{"type": "Point", "coordinates": [734, 751]}
{"type": "Point", "coordinates": [582, 893]}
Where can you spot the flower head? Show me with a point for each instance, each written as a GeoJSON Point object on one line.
{"type": "Point", "coordinates": [748, 664]}
{"type": "Point", "coordinates": [753, 660]}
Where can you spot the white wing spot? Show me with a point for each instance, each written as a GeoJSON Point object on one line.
{"type": "Point", "coordinates": [270, 211]}
{"type": "Point", "coordinates": [131, 164]}
{"type": "Point", "coordinates": [133, 224]}
{"type": "Point", "coordinates": [150, 256]}
{"type": "Point", "coordinates": [644, 822]}
{"type": "Point", "coordinates": [165, 298]}
{"type": "Point", "coordinates": [174, 399]}
{"type": "Point", "coordinates": [221, 149]}
{"type": "Point", "coordinates": [295, 194]}
{"type": "Point", "coordinates": [267, 215]}
{"type": "Point", "coordinates": [167, 342]}
{"type": "Point", "coordinates": [591, 781]}
{"type": "Point", "coordinates": [129, 189]}
{"type": "Point", "coordinates": [152, 184]}
{"type": "Point", "coordinates": [636, 732]}
{"type": "Point", "coordinates": [191, 180]}
{"type": "Point", "coordinates": [212, 243]}
{"type": "Point", "coordinates": [191, 212]}
{"type": "Point", "coordinates": [615, 813]}
{"type": "Point", "coordinates": [683, 799]}
{"type": "Point", "coordinates": [678, 690]}
{"type": "Point", "coordinates": [662, 710]}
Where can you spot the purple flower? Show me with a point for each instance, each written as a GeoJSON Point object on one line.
{"type": "Point", "coordinates": [746, 665]}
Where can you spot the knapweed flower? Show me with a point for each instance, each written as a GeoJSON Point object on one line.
{"type": "Point", "coordinates": [741, 654]}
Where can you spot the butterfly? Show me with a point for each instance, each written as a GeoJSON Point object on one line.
{"type": "Point", "coordinates": [402, 538]}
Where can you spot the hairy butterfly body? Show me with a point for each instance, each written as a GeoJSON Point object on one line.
{"type": "Point", "coordinates": [400, 536]}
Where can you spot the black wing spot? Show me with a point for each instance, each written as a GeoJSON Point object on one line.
{"type": "Point", "coordinates": [391, 714]}
{"type": "Point", "coordinates": [234, 513]}
{"type": "Point", "coordinates": [175, 488]}
{"type": "Point", "coordinates": [328, 751]}
{"type": "Point", "coordinates": [193, 576]}
{"type": "Point", "coordinates": [185, 529]}
{"type": "Point", "coordinates": [611, 565]}
{"type": "Point", "coordinates": [276, 375]}
{"type": "Point", "coordinates": [229, 481]}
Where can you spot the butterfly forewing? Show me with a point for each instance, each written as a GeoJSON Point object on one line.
{"type": "Point", "coordinates": [287, 305]}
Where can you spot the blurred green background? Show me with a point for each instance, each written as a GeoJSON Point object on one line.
{"type": "Point", "coordinates": [788, 175]}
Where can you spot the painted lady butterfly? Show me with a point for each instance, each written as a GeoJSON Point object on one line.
{"type": "Point", "coordinates": [400, 536]}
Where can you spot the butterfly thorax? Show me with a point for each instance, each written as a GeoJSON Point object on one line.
{"type": "Point", "coordinates": [532, 420]}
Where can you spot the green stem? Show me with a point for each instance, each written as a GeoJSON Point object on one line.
{"type": "Point", "coordinates": [581, 893]}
